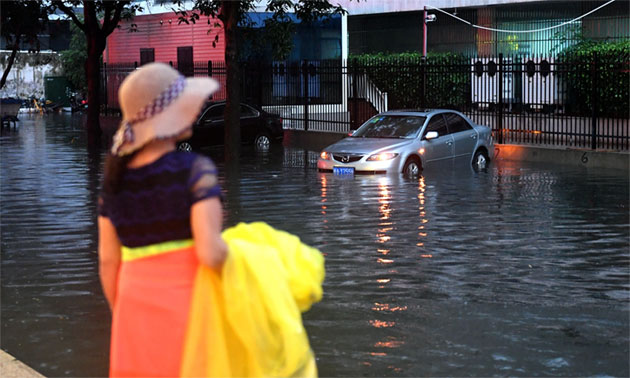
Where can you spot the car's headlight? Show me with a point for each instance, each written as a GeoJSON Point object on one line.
{"type": "Point", "coordinates": [324, 155]}
{"type": "Point", "coordinates": [382, 156]}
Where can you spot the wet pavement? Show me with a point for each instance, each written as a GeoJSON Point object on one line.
{"type": "Point", "coordinates": [521, 270]}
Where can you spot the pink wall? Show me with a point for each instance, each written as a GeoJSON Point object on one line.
{"type": "Point", "coordinates": [165, 38]}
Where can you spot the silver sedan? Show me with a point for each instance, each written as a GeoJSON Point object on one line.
{"type": "Point", "coordinates": [408, 141]}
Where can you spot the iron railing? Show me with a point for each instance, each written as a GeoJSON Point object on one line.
{"type": "Point", "coordinates": [525, 100]}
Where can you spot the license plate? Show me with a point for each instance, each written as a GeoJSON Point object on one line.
{"type": "Point", "coordinates": [343, 171]}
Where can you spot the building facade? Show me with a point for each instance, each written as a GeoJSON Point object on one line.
{"type": "Point", "coordinates": [397, 26]}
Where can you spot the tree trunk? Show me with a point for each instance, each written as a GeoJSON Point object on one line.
{"type": "Point", "coordinates": [93, 76]}
{"type": "Point", "coordinates": [16, 47]}
{"type": "Point", "coordinates": [229, 12]}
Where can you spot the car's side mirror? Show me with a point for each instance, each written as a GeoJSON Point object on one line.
{"type": "Point", "coordinates": [431, 135]}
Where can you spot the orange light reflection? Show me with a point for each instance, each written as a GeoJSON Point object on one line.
{"type": "Point", "coordinates": [381, 324]}
{"type": "Point", "coordinates": [324, 189]}
{"type": "Point", "coordinates": [389, 344]}
{"type": "Point", "coordinates": [387, 307]}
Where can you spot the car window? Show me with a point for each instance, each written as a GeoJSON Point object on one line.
{"type": "Point", "coordinates": [390, 126]}
{"type": "Point", "coordinates": [456, 123]}
{"type": "Point", "coordinates": [437, 123]}
{"type": "Point", "coordinates": [214, 113]}
{"type": "Point", "coordinates": [248, 111]}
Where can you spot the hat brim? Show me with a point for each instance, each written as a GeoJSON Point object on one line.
{"type": "Point", "coordinates": [176, 118]}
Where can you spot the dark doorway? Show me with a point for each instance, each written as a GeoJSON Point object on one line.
{"type": "Point", "coordinates": [185, 60]}
{"type": "Point", "coordinates": [147, 56]}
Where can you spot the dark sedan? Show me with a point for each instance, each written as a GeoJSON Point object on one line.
{"type": "Point", "coordinates": [257, 127]}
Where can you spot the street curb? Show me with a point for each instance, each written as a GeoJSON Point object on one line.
{"type": "Point", "coordinates": [10, 367]}
{"type": "Point", "coordinates": [566, 156]}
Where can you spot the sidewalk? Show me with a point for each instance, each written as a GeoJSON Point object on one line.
{"type": "Point", "coordinates": [12, 368]}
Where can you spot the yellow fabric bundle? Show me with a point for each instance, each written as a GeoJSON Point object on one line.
{"type": "Point", "coordinates": [246, 321]}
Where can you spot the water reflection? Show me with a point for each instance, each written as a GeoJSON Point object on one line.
{"type": "Point", "coordinates": [518, 270]}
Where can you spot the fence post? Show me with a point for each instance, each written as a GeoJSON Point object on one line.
{"type": "Point", "coordinates": [259, 77]}
{"type": "Point", "coordinates": [305, 93]}
{"type": "Point", "coordinates": [594, 102]}
{"type": "Point", "coordinates": [500, 100]}
{"type": "Point", "coordinates": [355, 93]}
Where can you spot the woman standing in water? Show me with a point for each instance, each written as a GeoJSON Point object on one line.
{"type": "Point", "coordinates": [160, 215]}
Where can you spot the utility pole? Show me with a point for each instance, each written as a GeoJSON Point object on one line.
{"type": "Point", "coordinates": [425, 18]}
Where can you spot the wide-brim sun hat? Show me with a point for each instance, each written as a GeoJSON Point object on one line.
{"type": "Point", "coordinates": [157, 102]}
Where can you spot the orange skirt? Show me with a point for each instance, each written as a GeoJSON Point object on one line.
{"type": "Point", "coordinates": [150, 315]}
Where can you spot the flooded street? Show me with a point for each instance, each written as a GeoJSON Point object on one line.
{"type": "Point", "coordinates": [523, 270]}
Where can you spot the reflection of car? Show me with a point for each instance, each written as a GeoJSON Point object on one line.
{"type": "Point", "coordinates": [257, 127]}
{"type": "Point", "coordinates": [407, 142]}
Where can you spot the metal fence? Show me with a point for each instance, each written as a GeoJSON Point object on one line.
{"type": "Point", "coordinates": [525, 100]}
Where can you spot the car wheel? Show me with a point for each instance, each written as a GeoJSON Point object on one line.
{"type": "Point", "coordinates": [480, 160]}
{"type": "Point", "coordinates": [262, 140]}
{"type": "Point", "coordinates": [412, 167]}
{"type": "Point", "coordinates": [184, 146]}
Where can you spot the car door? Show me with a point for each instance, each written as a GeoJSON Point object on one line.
{"type": "Point", "coordinates": [440, 148]}
{"type": "Point", "coordinates": [209, 131]}
{"type": "Point", "coordinates": [464, 136]}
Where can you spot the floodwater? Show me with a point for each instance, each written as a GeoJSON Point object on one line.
{"type": "Point", "coordinates": [522, 270]}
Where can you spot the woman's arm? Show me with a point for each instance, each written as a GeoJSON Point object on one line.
{"type": "Point", "coordinates": [109, 258]}
{"type": "Point", "coordinates": [206, 218]}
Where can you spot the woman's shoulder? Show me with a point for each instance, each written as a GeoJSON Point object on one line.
{"type": "Point", "coordinates": [192, 159]}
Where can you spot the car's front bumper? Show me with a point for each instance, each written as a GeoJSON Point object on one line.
{"type": "Point", "coordinates": [362, 166]}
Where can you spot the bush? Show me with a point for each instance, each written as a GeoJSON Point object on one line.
{"type": "Point", "coordinates": [608, 64]}
{"type": "Point", "coordinates": [443, 81]}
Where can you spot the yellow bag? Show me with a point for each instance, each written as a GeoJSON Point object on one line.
{"type": "Point", "coordinates": [247, 322]}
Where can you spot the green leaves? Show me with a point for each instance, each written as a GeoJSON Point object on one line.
{"type": "Point", "coordinates": [596, 75]}
{"type": "Point", "coordinates": [73, 59]}
{"type": "Point", "coordinates": [442, 81]}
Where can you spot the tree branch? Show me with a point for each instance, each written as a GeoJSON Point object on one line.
{"type": "Point", "coordinates": [70, 13]}
{"type": "Point", "coordinates": [108, 27]}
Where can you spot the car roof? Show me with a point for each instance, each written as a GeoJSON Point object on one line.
{"type": "Point", "coordinates": [418, 112]}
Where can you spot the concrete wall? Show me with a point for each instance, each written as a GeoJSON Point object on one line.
{"type": "Point", "coordinates": [567, 156]}
{"type": "Point", "coordinates": [26, 77]}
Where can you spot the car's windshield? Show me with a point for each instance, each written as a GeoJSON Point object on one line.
{"type": "Point", "coordinates": [391, 126]}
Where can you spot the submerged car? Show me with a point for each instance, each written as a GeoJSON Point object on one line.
{"type": "Point", "coordinates": [407, 141]}
{"type": "Point", "coordinates": [258, 127]}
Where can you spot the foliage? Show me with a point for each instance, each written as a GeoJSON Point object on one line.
{"type": "Point", "coordinates": [21, 22]}
{"type": "Point", "coordinates": [440, 81]}
{"type": "Point", "coordinates": [73, 59]}
{"type": "Point", "coordinates": [274, 40]}
{"type": "Point", "coordinates": [599, 69]}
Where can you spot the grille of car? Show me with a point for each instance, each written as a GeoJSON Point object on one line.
{"type": "Point", "coordinates": [347, 158]}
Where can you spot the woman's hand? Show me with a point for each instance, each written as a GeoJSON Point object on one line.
{"type": "Point", "coordinates": [108, 258]}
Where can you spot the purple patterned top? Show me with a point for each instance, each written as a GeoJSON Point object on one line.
{"type": "Point", "coordinates": [153, 205]}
